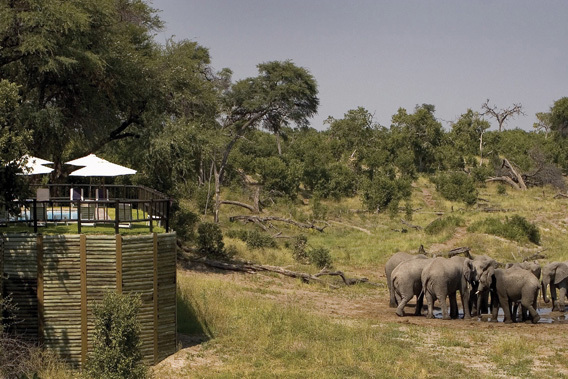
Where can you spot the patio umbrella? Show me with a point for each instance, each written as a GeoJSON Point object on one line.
{"type": "Point", "coordinates": [95, 166]}
{"type": "Point", "coordinates": [33, 165]}
{"type": "Point", "coordinates": [103, 169]}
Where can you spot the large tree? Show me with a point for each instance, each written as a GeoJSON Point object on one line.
{"type": "Point", "coordinates": [85, 68]}
{"type": "Point", "coordinates": [282, 94]}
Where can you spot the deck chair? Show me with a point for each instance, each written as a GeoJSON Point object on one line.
{"type": "Point", "coordinates": [76, 194]}
{"type": "Point", "coordinates": [125, 215]}
{"type": "Point", "coordinates": [88, 214]}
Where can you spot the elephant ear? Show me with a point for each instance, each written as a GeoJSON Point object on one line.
{"type": "Point", "coordinates": [561, 273]}
{"type": "Point", "coordinates": [468, 270]}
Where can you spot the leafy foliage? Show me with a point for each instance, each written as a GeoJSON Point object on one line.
{"type": "Point", "coordinates": [210, 239]}
{"type": "Point", "coordinates": [442, 224]}
{"type": "Point", "coordinates": [116, 339]}
{"type": "Point", "coordinates": [254, 239]}
{"type": "Point", "coordinates": [516, 228]}
{"type": "Point", "coordinates": [385, 190]}
{"type": "Point", "coordinates": [456, 186]}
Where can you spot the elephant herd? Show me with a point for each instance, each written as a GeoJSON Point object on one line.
{"type": "Point", "coordinates": [477, 279]}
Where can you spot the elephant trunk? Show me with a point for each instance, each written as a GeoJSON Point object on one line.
{"type": "Point", "coordinates": [544, 296]}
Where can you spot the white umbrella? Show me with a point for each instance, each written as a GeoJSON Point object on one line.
{"type": "Point", "coordinates": [33, 165]}
{"type": "Point", "coordinates": [86, 160]}
{"type": "Point", "coordinates": [102, 167]}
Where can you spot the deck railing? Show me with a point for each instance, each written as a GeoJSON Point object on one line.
{"type": "Point", "coordinates": [93, 205]}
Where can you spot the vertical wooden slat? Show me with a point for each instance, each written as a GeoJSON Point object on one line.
{"type": "Point", "coordinates": [118, 263]}
{"type": "Point", "coordinates": [155, 298]}
{"type": "Point", "coordinates": [84, 324]}
{"type": "Point", "coordinates": [40, 304]}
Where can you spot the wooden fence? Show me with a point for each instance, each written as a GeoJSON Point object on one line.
{"type": "Point", "coordinates": [54, 280]}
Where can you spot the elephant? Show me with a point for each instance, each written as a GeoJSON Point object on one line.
{"type": "Point", "coordinates": [443, 277]}
{"type": "Point", "coordinates": [406, 283]}
{"type": "Point", "coordinates": [535, 269]}
{"type": "Point", "coordinates": [555, 274]}
{"type": "Point", "coordinates": [511, 285]}
{"type": "Point", "coordinates": [391, 264]}
{"type": "Point", "coordinates": [479, 300]}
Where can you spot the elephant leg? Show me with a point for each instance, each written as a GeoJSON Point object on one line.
{"type": "Point", "coordinates": [533, 314]}
{"type": "Point", "coordinates": [401, 304]}
{"type": "Point", "coordinates": [444, 306]}
{"type": "Point", "coordinates": [506, 305]}
{"type": "Point", "coordinates": [392, 301]}
{"type": "Point", "coordinates": [561, 297]}
{"type": "Point", "coordinates": [494, 307]}
{"type": "Point", "coordinates": [454, 313]}
{"type": "Point", "coordinates": [514, 313]}
{"type": "Point", "coordinates": [419, 304]}
{"type": "Point", "coordinates": [465, 302]}
{"type": "Point", "coordinates": [553, 297]}
{"type": "Point", "coordinates": [430, 301]}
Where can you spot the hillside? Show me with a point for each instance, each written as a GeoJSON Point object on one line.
{"type": "Point", "coordinates": [262, 325]}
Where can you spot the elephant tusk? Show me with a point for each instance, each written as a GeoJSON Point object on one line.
{"type": "Point", "coordinates": [477, 292]}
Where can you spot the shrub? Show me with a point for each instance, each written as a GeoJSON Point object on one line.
{"type": "Point", "coordinates": [501, 189]}
{"type": "Point", "coordinates": [442, 224]}
{"type": "Point", "coordinates": [210, 239]}
{"type": "Point", "coordinates": [253, 239]}
{"type": "Point", "coordinates": [299, 250]}
{"type": "Point", "coordinates": [383, 190]}
{"type": "Point", "coordinates": [257, 240]}
{"type": "Point", "coordinates": [183, 222]}
{"type": "Point", "coordinates": [517, 228]}
{"type": "Point", "coordinates": [116, 339]}
{"type": "Point", "coordinates": [456, 186]}
{"type": "Point", "coordinates": [320, 257]}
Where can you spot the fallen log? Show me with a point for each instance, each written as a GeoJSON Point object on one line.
{"type": "Point", "coordinates": [250, 268]}
{"type": "Point", "coordinates": [239, 204]}
{"type": "Point", "coordinates": [257, 219]}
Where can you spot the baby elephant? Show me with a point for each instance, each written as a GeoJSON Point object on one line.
{"type": "Point", "coordinates": [509, 286]}
{"type": "Point", "coordinates": [407, 283]}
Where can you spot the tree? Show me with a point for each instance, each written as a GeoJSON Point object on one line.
{"type": "Point", "coordinates": [543, 123]}
{"type": "Point", "coordinates": [281, 94]}
{"type": "Point", "coordinates": [501, 115]}
{"type": "Point", "coordinates": [467, 133]}
{"type": "Point", "coordinates": [419, 132]}
{"type": "Point", "coordinates": [14, 139]}
{"type": "Point", "coordinates": [85, 68]}
{"type": "Point", "coordinates": [559, 116]}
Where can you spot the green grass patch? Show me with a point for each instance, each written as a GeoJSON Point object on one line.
{"type": "Point", "coordinates": [264, 338]}
{"type": "Point", "coordinates": [444, 224]}
{"type": "Point", "coordinates": [515, 228]}
{"type": "Point", "coordinates": [513, 355]}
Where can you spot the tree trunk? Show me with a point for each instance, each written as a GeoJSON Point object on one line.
{"type": "Point", "coordinates": [217, 194]}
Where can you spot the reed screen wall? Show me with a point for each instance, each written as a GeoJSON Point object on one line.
{"type": "Point", "coordinates": [54, 280]}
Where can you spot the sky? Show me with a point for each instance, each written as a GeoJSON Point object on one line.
{"type": "Point", "coordinates": [383, 55]}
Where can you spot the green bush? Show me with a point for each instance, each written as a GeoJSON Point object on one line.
{"type": "Point", "coordinates": [253, 239]}
{"type": "Point", "coordinates": [116, 339]}
{"type": "Point", "coordinates": [456, 186]}
{"type": "Point", "coordinates": [383, 190]}
{"type": "Point", "coordinates": [501, 189]}
{"type": "Point", "coordinates": [183, 222]}
{"type": "Point", "coordinates": [210, 239]}
{"type": "Point", "coordinates": [517, 228]}
{"type": "Point", "coordinates": [320, 257]}
{"type": "Point", "coordinates": [445, 223]}
{"type": "Point", "coordinates": [299, 249]}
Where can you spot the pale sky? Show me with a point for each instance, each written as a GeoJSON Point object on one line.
{"type": "Point", "coordinates": [382, 55]}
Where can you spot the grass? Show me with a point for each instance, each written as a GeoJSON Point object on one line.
{"type": "Point", "coordinates": [263, 338]}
